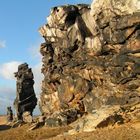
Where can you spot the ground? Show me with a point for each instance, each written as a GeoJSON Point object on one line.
{"type": "Point", "coordinates": [129, 131]}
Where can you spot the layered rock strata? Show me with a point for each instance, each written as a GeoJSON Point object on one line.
{"type": "Point", "coordinates": [91, 59]}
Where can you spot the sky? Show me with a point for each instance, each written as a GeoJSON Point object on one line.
{"type": "Point", "coordinates": [20, 40]}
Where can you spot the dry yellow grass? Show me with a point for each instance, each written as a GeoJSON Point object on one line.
{"type": "Point", "coordinates": [129, 131]}
{"type": "Point", "coordinates": [2, 120]}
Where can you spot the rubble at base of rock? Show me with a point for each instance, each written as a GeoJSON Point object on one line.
{"type": "Point", "coordinates": [106, 116]}
{"type": "Point", "coordinates": [91, 59]}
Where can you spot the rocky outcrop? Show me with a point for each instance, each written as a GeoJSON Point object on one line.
{"type": "Point", "coordinates": [91, 59]}
{"type": "Point", "coordinates": [26, 100]}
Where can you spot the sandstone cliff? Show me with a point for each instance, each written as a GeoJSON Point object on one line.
{"type": "Point", "coordinates": [91, 62]}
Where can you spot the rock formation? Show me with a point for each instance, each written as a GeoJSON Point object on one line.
{"type": "Point", "coordinates": [25, 96]}
{"type": "Point", "coordinates": [9, 114]}
{"type": "Point", "coordinates": [91, 60]}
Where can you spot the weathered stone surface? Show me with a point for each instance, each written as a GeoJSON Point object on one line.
{"type": "Point", "coordinates": [91, 59]}
{"type": "Point", "coordinates": [106, 116]}
{"type": "Point", "coordinates": [27, 118]}
{"type": "Point", "coordinates": [25, 100]}
{"type": "Point", "coordinates": [97, 119]}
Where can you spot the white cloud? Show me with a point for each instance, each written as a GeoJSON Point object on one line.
{"type": "Point", "coordinates": [2, 43]}
{"type": "Point", "coordinates": [38, 77]}
{"type": "Point", "coordinates": [7, 69]}
{"type": "Point", "coordinates": [7, 96]}
{"type": "Point", "coordinates": [34, 49]}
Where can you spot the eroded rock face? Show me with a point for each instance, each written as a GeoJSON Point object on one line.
{"type": "Point", "coordinates": [91, 58]}
{"type": "Point", "coordinates": [26, 100]}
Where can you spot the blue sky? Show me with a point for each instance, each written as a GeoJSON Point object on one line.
{"type": "Point", "coordinates": [19, 41]}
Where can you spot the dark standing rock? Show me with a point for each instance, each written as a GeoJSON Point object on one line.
{"type": "Point", "coordinates": [25, 97]}
{"type": "Point", "coordinates": [9, 114]}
